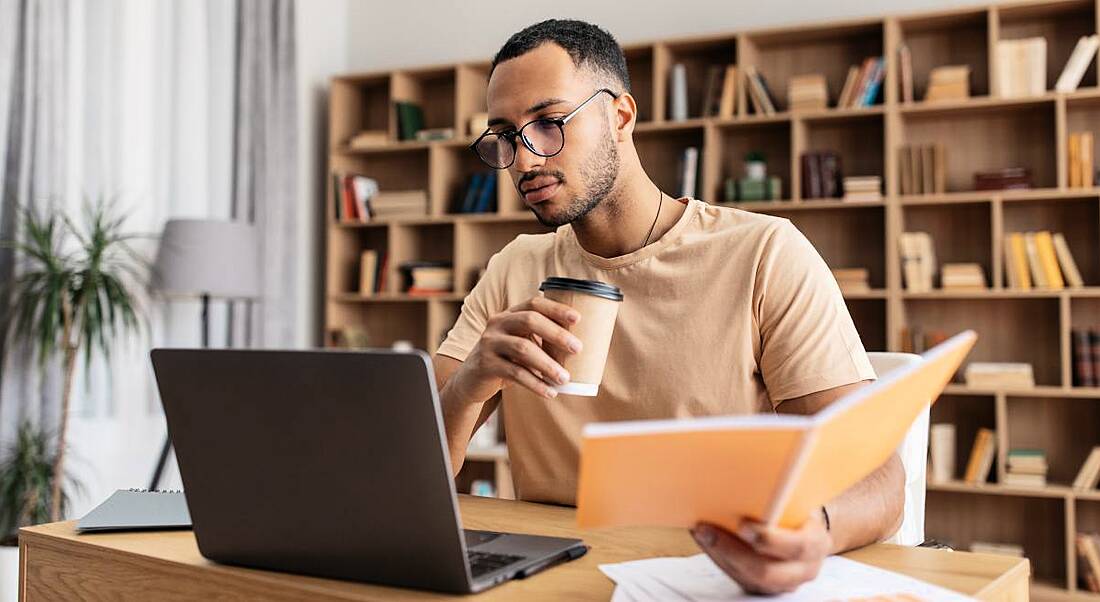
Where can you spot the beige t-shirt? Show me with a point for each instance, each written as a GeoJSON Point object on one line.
{"type": "Point", "coordinates": [730, 312]}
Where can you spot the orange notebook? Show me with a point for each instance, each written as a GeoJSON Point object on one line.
{"type": "Point", "coordinates": [776, 469]}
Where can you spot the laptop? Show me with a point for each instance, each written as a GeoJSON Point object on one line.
{"type": "Point", "coordinates": [330, 463]}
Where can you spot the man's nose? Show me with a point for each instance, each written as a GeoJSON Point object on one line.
{"type": "Point", "coordinates": [525, 159]}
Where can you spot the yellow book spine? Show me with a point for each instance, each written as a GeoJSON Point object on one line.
{"type": "Point", "coordinates": [1019, 260]}
{"type": "Point", "coordinates": [1049, 259]}
{"type": "Point", "coordinates": [1075, 160]}
{"type": "Point", "coordinates": [1087, 161]}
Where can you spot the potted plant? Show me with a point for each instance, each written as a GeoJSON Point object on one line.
{"type": "Point", "coordinates": [77, 290]}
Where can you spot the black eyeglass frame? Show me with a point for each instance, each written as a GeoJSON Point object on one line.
{"type": "Point", "coordinates": [511, 135]}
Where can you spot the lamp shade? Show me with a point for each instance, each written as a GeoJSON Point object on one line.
{"type": "Point", "coordinates": [208, 257]}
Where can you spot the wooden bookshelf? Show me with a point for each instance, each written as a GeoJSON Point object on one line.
{"type": "Point", "coordinates": [982, 132]}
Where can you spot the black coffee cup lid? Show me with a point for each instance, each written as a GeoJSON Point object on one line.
{"type": "Point", "coordinates": [591, 287]}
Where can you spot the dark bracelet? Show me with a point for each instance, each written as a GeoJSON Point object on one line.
{"type": "Point", "coordinates": [825, 513]}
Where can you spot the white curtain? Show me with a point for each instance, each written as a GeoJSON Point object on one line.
{"type": "Point", "coordinates": [149, 112]}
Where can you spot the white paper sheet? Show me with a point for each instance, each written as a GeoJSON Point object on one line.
{"type": "Point", "coordinates": [697, 578]}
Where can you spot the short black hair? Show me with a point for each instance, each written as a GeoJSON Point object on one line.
{"type": "Point", "coordinates": [587, 44]}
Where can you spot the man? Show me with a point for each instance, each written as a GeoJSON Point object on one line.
{"type": "Point", "coordinates": [725, 311]}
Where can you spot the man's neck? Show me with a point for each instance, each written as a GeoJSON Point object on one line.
{"type": "Point", "coordinates": [620, 224]}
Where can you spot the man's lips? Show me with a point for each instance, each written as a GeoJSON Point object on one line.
{"type": "Point", "coordinates": [539, 194]}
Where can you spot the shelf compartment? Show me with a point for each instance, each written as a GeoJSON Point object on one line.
{"type": "Point", "coordinates": [345, 245]}
{"type": "Point", "coordinates": [478, 241]}
{"type": "Point", "coordinates": [661, 152]}
{"type": "Point", "coordinates": [697, 55]}
{"type": "Point", "coordinates": [846, 239]}
{"type": "Point", "coordinates": [1077, 219]}
{"type": "Point", "coordinates": [1062, 23]}
{"type": "Point", "coordinates": [960, 38]}
{"type": "Point", "coordinates": [988, 316]}
{"type": "Point", "coordinates": [859, 139]}
{"type": "Point", "coordinates": [961, 233]}
{"type": "Point", "coordinates": [1083, 115]}
{"type": "Point", "coordinates": [640, 67]}
{"type": "Point", "coordinates": [781, 55]}
{"type": "Point", "coordinates": [418, 242]}
{"type": "Point", "coordinates": [968, 413]}
{"type": "Point", "coordinates": [732, 141]}
{"type": "Point", "coordinates": [452, 167]}
{"type": "Point", "coordinates": [960, 518]}
{"type": "Point", "coordinates": [382, 323]}
{"type": "Point", "coordinates": [471, 84]}
{"type": "Point", "coordinates": [394, 168]}
{"type": "Point", "coordinates": [869, 316]}
{"type": "Point", "coordinates": [434, 89]}
{"type": "Point", "coordinates": [1066, 429]}
{"type": "Point", "coordinates": [358, 104]}
{"type": "Point", "coordinates": [985, 138]}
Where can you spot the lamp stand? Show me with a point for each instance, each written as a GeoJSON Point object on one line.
{"type": "Point", "coordinates": [168, 440]}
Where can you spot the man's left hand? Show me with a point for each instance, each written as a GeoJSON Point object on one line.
{"type": "Point", "coordinates": [765, 560]}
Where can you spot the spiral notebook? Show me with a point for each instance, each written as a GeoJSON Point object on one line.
{"type": "Point", "coordinates": [138, 509]}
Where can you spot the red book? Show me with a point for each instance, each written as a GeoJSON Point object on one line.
{"type": "Point", "coordinates": [1083, 373]}
{"type": "Point", "coordinates": [351, 211]}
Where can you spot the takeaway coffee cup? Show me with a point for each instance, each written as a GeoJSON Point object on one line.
{"type": "Point", "coordinates": [598, 304]}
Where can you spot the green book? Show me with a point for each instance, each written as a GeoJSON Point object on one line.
{"type": "Point", "coordinates": [410, 120]}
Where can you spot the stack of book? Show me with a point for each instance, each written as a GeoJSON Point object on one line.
{"type": "Point", "coordinates": [822, 176]}
{"type": "Point", "coordinates": [762, 100]}
{"type": "Point", "coordinates": [369, 139]}
{"type": "Point", "coordinates": [981, 457]}
{"type": "Point", "coordinates": [479, 194]}
{"type": "Point", "coordinates": [1088, 549]}
{"type": "Point", "coordinates": [951, 82]}
{"type": "Point", "coordinates": [1082, 163]}
{"type": "Point", "coordinates": [807, 92]}
{"type": "Point", "coordinates": [372, 272]}
{"type": "Point", "coordinates": [914, 339]}
{"type": "Point", "coordinates": [435, 134]}
{"type": "Point", "coordinates": [1003, 549]}
{"type": "Point", "coordinates": [410, 119]}
{"type": "Point", "coordinates": [1085, 348]}
{"type": "Point", "coordinates": [863, 188]}
{"type": "Point", "coordinates": [852, 280]}
{"type": "Point", "coordinates": [1089, 476]}
{"type": "Point", "coordinates": [1026, 468]}
{"type": "Point", "coordinates": [1040, 260]}
{"type": "Point", "coordinates": [428, 277]}
{"type": "Point", "coordinates": [1000, 375]}
{"type": "Point", "coordinates": [922, 169]}
{"type": "Point", "coordinates": [1006, 178]}
{"type": "Point", "coordinates": [1078, 63]}
{"type": "Point", "coordinates": [962, 277]}
{"type": "Point", "coordinates": [863, 84]}
{"type": "Point", "coordinates": [398, 204]}
{"type": "Point", "coordinates": [918, 261]}
{"type": "Point", "coordinates": [1021, 67]}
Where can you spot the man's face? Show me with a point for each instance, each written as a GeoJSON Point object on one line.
{"type": "Point", "coordinates": [545, 83]}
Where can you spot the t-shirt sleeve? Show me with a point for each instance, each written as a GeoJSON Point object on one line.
{"type": "Point", "coordinates": [808, 342]}
{"type": "Point", "coordinates": [485, 300]}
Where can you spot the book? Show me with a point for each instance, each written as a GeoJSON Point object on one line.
{"type": "Point", "coordinates": [849, 84]}
{"type": "Point", "coordinates": [862, 188]}
{"type": "Point", "coordinates": [1089, 475]}
{"type": "Point", "coordinates": [1081, 350]}
{"type": "Point", "coordinates": [712, 91]}
{"type": "Point", "coordinates": [727, 105]}
{"type": "Point", "coordinates": [138, 509]}
{"type": "Point", "coordinates": [807, 92]}
{"type": "Point", "coordinates": [678, 96]}
{"type": "Point", "coordinates": [1019, 260]}
{"type": "Point", "coordinates": [811, 175]}
{"type": "Point", "coordinates": [1021, 67]}
{"type": "Point", "coordinates": [941, 447]}
{"type": "Point", "coordinates": [981, 457]}
{"type": "Point", "coordinates": [852, 280]}
{"type": "Point", "coordinates": [763, 101]}
{"type": "Point", "coordinates": [1094, 352]}
{"type": "Point", "coordinates": [1087, 159]}
{"type": "Point", "coordinates": [918, 261]}
{"type": "Point", "coordinates": [948, 82]}
{"type": "Point", "coordinates": [410, 119]}
{"type": "Point", "coordinates": [368, 272]}
{"type": "Point", "coordinates": [1089, 550]}
{"type": "Point", "coordinates": [689, 169]}
{"type": "Point", "coordinates": [962, 276]}
{"type": "Point", "coordinates": [368, 139]}
{"type": "Point", "coordinates": [775, 469]}
{"type": "Point", "coordinates": [1038, 274]}
{"type": "Point", "coordinates": [1075, 176]}
{"type": "Point", "coordinates": [1065, 260]}
{"type": "Point", "coordinates": [1083, 54]}
{"type": "Point", "coordinates": [1048, 257]}
{"type": "Point", "coordinates": [905, 63]}
{"type": "Point", "coordinates": [999, 375]}
{"type": "Point", "coordinates": [435, 134]}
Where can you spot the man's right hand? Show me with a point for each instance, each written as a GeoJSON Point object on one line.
{"type": "Point", "coordinates": [511, 351]}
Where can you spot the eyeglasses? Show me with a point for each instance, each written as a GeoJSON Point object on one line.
{"type": "Point", "coordinates": [545, 137]}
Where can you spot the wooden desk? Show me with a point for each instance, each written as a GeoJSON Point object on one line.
{"type": "Point", "coordinates": [58, 564]}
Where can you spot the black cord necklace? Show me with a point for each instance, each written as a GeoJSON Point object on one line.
{"type": "Point", "coordinates": [660, 199]}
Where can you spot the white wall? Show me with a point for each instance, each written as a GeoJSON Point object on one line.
{"type": "Point", "coordinates": [385, 35]}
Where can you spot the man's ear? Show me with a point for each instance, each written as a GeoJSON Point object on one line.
{"type": "Point", "coordinates": [626, 116]}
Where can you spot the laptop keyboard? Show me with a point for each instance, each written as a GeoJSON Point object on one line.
{"type": "Point", "coordinates": [485, 562]}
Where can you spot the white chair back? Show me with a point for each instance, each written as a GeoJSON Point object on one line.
{"type": "Point", "coordinates": [913, 452]}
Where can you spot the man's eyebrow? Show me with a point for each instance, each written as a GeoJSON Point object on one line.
{"type": "Point", "coordinates": [542, 104]}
